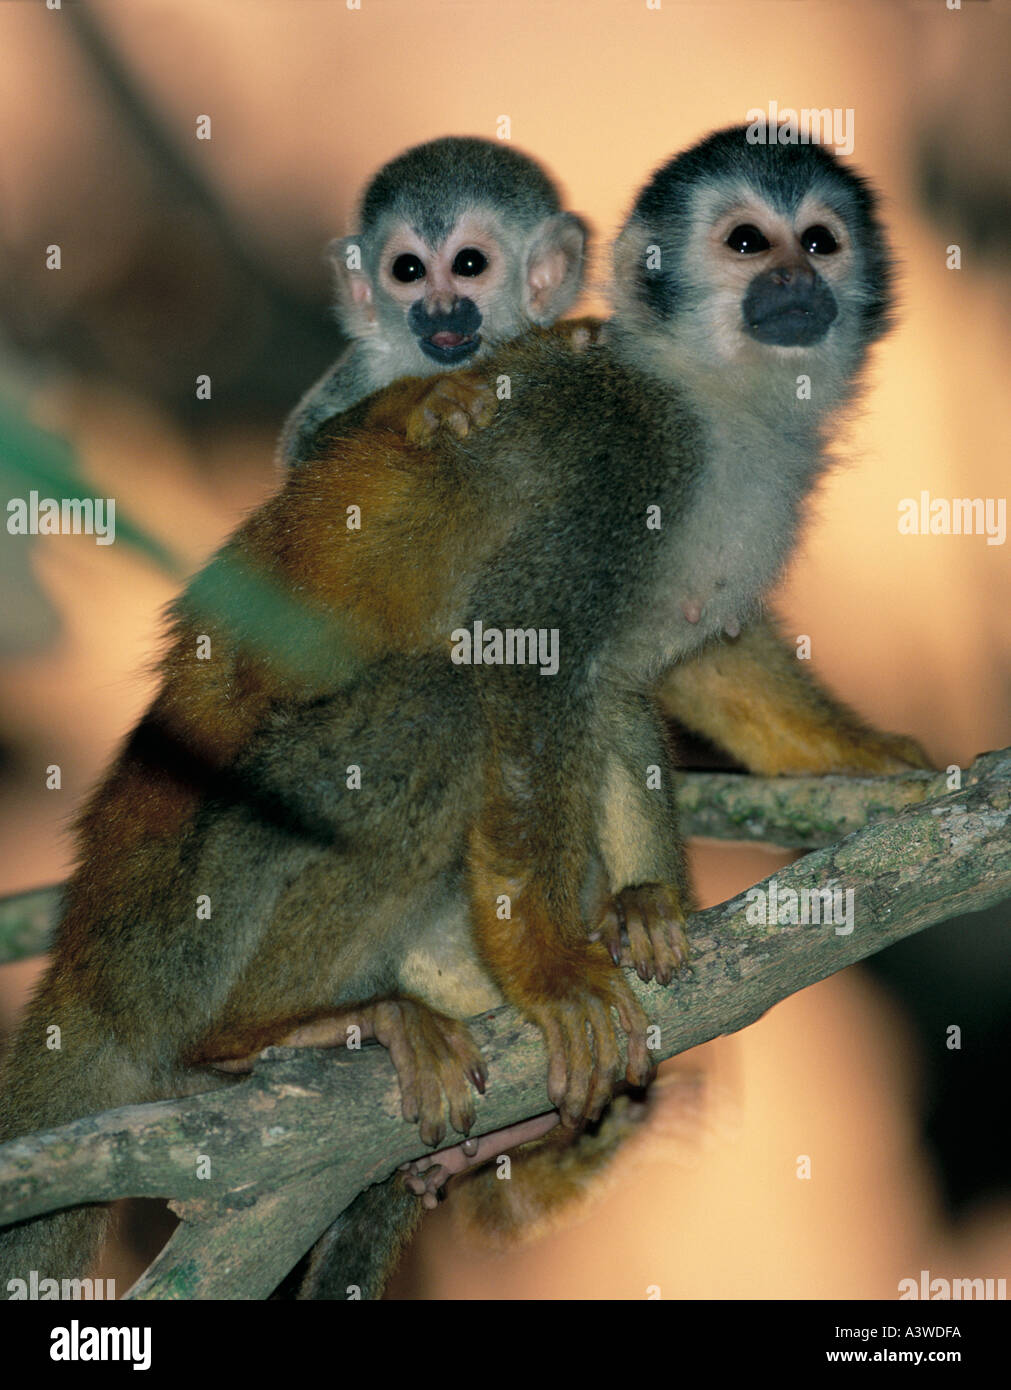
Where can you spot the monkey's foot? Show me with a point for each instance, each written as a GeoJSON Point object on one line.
{"type": "Point", "coordinates": [843, 752]}
{"type": "Point", "coordinates": [881, 754]}
{"type": "Point", "coordinates": [583, 1058]}
{"type": "Point", "coordinates": [434, 1056]}
{"type": "Point", "coordinates": [457, 401]}
{"type": "Point", "coordinates": [437, 1062]}
{"type": "Point", "coordinates": [645, 927]}
{"type": "Point", "coordinates": [426, 1176]}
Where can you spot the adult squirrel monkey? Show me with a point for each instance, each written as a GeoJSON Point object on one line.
{"type": "Point", "coordinates": [408, 739]}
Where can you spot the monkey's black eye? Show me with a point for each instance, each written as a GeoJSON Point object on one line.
{"type": "Point", "coordinates": [408, 267]}
{"type": "Point", "coordinates": [470, 261]}
{"type": "Point", "coordinates": [818, 241]}
{"type": "Point", "coordinates": [747, 239]}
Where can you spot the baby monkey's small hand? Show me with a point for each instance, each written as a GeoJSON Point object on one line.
{"type": "Point", "coordinates": [457, 401]}
{"type": "Point", "coordinates": [418, 407]}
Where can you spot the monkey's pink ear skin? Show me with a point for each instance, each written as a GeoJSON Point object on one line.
{"type": "Point", "coordinates": [352, 285]}
{"type": "Point", "coordinates": [555, 267]}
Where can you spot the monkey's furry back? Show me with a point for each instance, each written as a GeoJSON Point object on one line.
{"type": "Point", "coordinates": [553, 499]}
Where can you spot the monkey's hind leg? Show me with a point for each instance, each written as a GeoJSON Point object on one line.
{"type": "Point", "coordinates": [752, 697]}
{"type": "Point", "coordinates": [434, 1057]}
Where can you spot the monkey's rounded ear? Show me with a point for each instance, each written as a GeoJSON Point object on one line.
{"type": "Point", "coordinates": [352, 283]}
{"type": "Point", "coordinates": [555, 263]}
{"type": "Point", "coordinates": [640, 280]}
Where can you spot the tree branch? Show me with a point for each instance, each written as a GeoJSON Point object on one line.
{"type": "Point", "coordinates": [795, 812]}
{"type": "Point", "coordinates": [293, 1144]}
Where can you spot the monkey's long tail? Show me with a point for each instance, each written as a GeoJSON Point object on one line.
{"type": "Point", "coordinates": [360, 1251]}
{"type": "Point", "coordinates": [40, 1089]}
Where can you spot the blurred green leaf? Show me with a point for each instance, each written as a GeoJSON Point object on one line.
{"type": "Point", "coordinates": [34, 459]}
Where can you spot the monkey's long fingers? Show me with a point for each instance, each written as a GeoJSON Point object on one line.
{"type": "Point", "coordinates": [468, 1055]}
{"type": "Point", "coordinates": [437, 1063]}
{"type": "Point", "coordinates": [459, 422]}
{"type": "Point", "coordinates": [483, 405]}
{"type": "Point", "coordinates": [670, 946]}
{"type": "Point", "coordinates": [477, 406]}
{"type": "Point", "coordinates": [652, 935]}
{"type": "Point", "coordinates": [464, 1067]}
{"type": "Point", "coordinates": [390, 1031]}
{"type": "Point", "coordinates": [610, 928]}
{"type": "Point", "coordinates": [427, 1183]}
{"type": "Point", "coordinates": [459, 1096]}
{"type": "Point", "coordinates": [579, 1063]}
{"type": "Point", "coordinates": [633, 1020]}
{"type": "Point", "coordinates": [640, 945]}
{"type": "Point", "coordinates": [433, 1097]}
{"type": "Point", "coordinates": [605, 1046]}
{"type": "Point", "coordinates": [420, 1102]}
{"type": "Point", "coordinates": [660, 909]}
{"type": "Point", "coordinates": [550, 1026]}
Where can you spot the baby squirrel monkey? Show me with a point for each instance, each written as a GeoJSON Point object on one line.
{"type": "Point", "coordinates": [463, 244]}
{"type": "Point", "coordinates": [480, 784]}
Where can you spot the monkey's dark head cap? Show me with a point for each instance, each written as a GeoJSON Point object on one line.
{"type": "Point", "coordinates": [429, 185]}
{"type": "Point", "coordinates": [782, 171]}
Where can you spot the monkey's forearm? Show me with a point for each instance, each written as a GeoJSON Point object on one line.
{"type": "Point", "coordinates": [752, 697]}
{"type": "Point", "coordinates": [341, 386]}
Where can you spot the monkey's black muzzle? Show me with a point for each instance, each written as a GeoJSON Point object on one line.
{"type": "Point", "coordinates": [447, 338]}
{"type": "Point", "coordinates": [790, 306]}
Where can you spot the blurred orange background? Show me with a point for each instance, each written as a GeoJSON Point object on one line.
{"type": "Point", "coordinates": [307, 100]}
